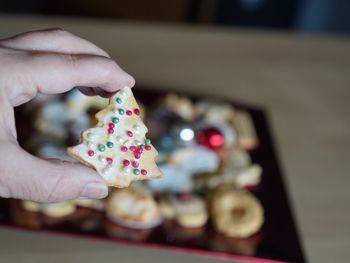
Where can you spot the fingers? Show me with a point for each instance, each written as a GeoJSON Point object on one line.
{"type": "Point", "coordinates": [57, 73]}
{"type": "Point", "coordinates": [31, 178]}
{"type": "Point", "coordinates": [53, 40]}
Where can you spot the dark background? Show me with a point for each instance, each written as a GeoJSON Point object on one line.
{"type": "Point", "coordinates": [325, 16]}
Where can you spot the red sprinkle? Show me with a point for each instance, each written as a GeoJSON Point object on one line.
{"type": "Point", "coordinates": [126, 162]}
{"type": "Point", "coordinates": [111, 125]}
{"type": "Point", "coordinates": [129, 133]}
{"type": "Point", "coordinates": [128, 112]}
{"type": "Point", "coordinates": [109, 160]}
{"type": "Point", "coordinates": [137, 155]}
{"type": "Point", "coordinates": [137, 111]}
{"type": "Point", "coordinates": [143, 172]}
{"type": "Point", "coordinates": [110, 130]}
{"type": "Point", "coordinates": [135, 164]}
{"type": "Point", "coordinates": [123, 148]}
{"type": "Point", "coordinates": [91, 153]}
{"type": "Point", "coordinates": [132, 148]}
{"type": "Point", "coordinates": [148, 147]}
{"type": "Point", "coordinates": [139, 150]}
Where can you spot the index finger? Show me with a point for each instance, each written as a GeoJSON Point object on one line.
{"type": "Point", "coordinates": [52, 73]}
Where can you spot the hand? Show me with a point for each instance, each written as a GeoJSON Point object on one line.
{"type": "Point", "coordinates": [51, 62]}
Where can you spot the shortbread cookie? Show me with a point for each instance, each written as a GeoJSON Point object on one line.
{"type": "Point", "coordinates": [133, 208]}
{"type": "Point", "coordinates": [116, 147]}
{"type": "Point", "coordinates": [236, 213]}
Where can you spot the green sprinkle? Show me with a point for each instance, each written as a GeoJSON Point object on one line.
{"type": "Point", "coordinates": [110, 144]}
{"type": "Point", "coordinates": [115, 120]}
{"type": "Point", "coordinates": [119, 100]}
{"type": "Point", "coordinates": [121, 111]}
{"type": "Point", "coordinates": [101, 147]}
{"type": "Point", "coordinates": [147, 141]}
{"type": "Point", "coordinates": [142, 146]}
{"type": "Point", "coordinates": [137, 171]}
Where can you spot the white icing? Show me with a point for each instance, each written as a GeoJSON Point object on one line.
{"type": "Point", "coordinates": [137, 128]}
{"type": "Point", "coordinates": [101, 158]}
{"type": "Point", "coordinates": [119, 139]}
{"type": "Point", "coordinates": [90, 144]}
{"type": "Point", "coordinates": [122, 93]}
{"type": "Point", "coordinates": [127, 169]}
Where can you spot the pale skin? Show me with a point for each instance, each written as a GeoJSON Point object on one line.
{"type": "Point", "coordinates": [51, 61]}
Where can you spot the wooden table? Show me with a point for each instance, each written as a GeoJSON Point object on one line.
{"type": "Point", "coordinates": [304, 83]}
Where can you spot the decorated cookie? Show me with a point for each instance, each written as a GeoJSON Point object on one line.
{"type": "Point", "coordinates": [116, 147]}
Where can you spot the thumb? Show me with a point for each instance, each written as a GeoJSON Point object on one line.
{"type": "Point", "coordinates": [27, 177]}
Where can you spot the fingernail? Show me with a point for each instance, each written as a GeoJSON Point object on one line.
{"type": "Point", "coordinates": [130, 80]}
{"type": "Point", "coordinates": [94, 190]}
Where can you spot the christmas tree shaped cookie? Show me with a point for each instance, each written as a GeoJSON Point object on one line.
{"type": "Point", "coordinates": [117, 147]}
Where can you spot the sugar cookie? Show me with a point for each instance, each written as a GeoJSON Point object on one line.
{"type": "Point", "coordinates": [116, 147]}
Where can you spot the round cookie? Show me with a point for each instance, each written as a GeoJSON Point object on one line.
{"type": "Point", "coordinates": [133, 208]}
{"type": "Point", "coordinates": [236, 213]}
{"type": "Point", "coordinates": [190, 212]}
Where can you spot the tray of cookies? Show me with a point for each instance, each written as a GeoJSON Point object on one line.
{"type": "Point", "coordinates": [186, 173]}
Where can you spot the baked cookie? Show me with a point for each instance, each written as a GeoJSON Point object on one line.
{"type": "Point", "coordinates": [187, 210]}
{"type": "Point", "coordinates": [57, 213]}
{"type": "Point", "coordinates": [133, 208]}
{"type": "Point", "coordinates": [191, 211]}
{"type": "Point", "coordinates": [116, 147]}
{"type": "Point", "coordinates": [236, 213]}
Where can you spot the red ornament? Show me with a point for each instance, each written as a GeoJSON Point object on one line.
{"type": "Point", "coordinates": [123, 148]}
{"type": "Point", "coordinates": [143, 172]}
{"type": "Point", "coordinates": [129, 133]}
{"type": "Point", "coordinates": [126, 162]}
{"type": "Point", "coordinates": [148, 147]}
{"type": "Point", "coordinates": [137, 111]}
{"type": "Point", "coordinates": [91, 153]}
{"type": "Point", "coordinates": [111, 125]}
{"type": "Point", "coordinates": [110, 130]}
{"type": "Point", "coordinates": [128, 112]}
{"type": "Point", "coordinates": [135, 164]}
{"type": "Point", "coordinates": [109, 160]}
{"type": "Point", "coordinates": [211, 138]}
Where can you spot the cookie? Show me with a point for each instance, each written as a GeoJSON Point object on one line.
{"type": "Point", "coordinates": [236, 213]}
{"type": "Point", "coordinates": [191, 211]}
{"type": "Point", "coordinates": [133, 208]}
{"type": "Point", "coordinates": [243, 123]}
{"type": "Point", "coordinates": [89, 214]}
{"type": "Point", "coordinates": [116, 147]}
{"type": "Point", "coordinates": [58, 213]}
{"type": "Point", "coordinates": [187, 210]}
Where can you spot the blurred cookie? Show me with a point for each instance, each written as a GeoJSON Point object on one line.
{"type": "Point", "coordinates": [235, 213]}
{"type": "Point", "coordinates": [133, 208]}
